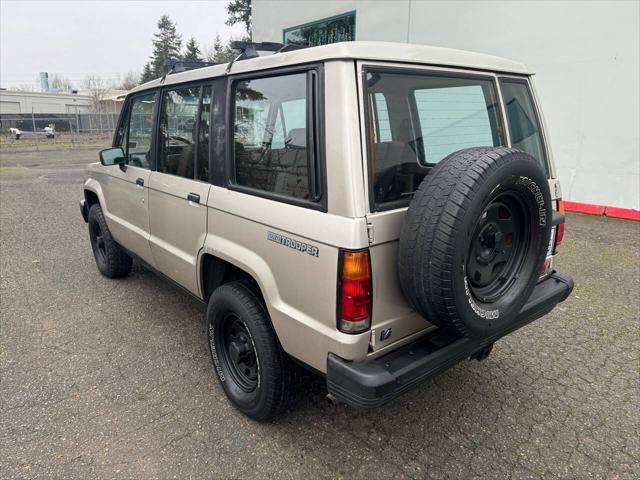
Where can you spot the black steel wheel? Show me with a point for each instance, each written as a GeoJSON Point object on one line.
{"type": "Point", "coordinates": [239, 353]}
{"type": "Point", "coordinates": [112, 261]}
{"type": "Point", "coordinates": [499, 244]}
{"type": "Point", "coordinates": [257, 376]}
{"type": "Point", "coordinates": [97, 242]}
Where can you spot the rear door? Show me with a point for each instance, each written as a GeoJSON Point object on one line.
{"type": "Point", "coordinates": [126, 189]}
{"type": "Point", "coordinates": [414, 117]}
{"type": "Point", "coordinates": [179, 188]}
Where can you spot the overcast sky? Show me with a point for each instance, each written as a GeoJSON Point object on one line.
{"type": "Point", "coordinates": [105, 38]}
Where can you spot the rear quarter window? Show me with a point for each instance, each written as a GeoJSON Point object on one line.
{"type": "Point", "coordinates": [274, 136]}
{"type": "Point", "coordinates": [524, 125]}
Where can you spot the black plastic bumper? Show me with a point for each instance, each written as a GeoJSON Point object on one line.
{"type": "Point", "coordinates": [371, 384]}
{"type": "Point", "coordinates": [84, 210]}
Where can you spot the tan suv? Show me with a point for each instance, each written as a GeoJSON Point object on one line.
{"type": "Point", "coordinates": [374, 212]}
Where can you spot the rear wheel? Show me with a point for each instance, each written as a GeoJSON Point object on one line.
{"type": "Point", "coordinates": [255, 373]}
{"type": "Point", "coordinates": [111, 260]}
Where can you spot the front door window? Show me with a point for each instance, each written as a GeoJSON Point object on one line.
{"type": "Point", "coordinates": [138, 130]}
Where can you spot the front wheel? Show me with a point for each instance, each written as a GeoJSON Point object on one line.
{"type": "Point", "coordinates": [111, 260]}
{"type": "Point", "coordinates": [255, 373]}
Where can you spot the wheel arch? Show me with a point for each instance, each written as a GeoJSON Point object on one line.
{"type": "Point", "coordinates": [93, 194]}
{"type": "Point", "coordinates": [216, 271]}
{"type": "Point", "coordinates": [305, 338]}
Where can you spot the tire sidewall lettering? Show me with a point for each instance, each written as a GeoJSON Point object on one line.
{"type": "Point", "coordinates": [479, 311]}
{"type": "Point", "coordinates": [214, 352]}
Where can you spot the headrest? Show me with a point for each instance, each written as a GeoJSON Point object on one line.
{"type": "Point", "coordinates": [297, 138]}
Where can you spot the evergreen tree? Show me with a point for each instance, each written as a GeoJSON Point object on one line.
{"type": "Point", "coordinates": [221, 52]}
{"type": "Point", "coordinates": [191, 51]}
{"type": "Point", "coordinates": [147, 73]}
{"type": "Point", "coordinates": [166, 45]}
{"type": "Point", "coordinates": [240, 12]}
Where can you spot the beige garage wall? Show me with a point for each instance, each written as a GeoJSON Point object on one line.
{"type": "Point", "coordinates": [9, 107]}
{"type": "Point", "coordinates": [586, 55]}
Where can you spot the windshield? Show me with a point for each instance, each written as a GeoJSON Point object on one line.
{"type": "Point", "coordinates": [415, 120]}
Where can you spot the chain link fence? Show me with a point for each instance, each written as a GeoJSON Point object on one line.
{"type": "Point", "coordinates": [35, 130]}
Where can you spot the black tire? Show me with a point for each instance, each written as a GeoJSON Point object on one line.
{"type": "Point", "coordinates": [475, 238]}
{"type": "Point", "coordinates": [111, 260]}
{"type": "Point", "coordinates": [255, 373]}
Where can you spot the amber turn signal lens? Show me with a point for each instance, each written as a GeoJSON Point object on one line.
{"type": "Point", "coordinates": [356, 265]}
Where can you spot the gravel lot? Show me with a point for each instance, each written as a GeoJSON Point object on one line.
{"type": "Point", "coordinates": [112, 379]}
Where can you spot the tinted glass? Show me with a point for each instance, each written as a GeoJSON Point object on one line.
{"type": "Point", "coordinates": [138, 130]}
{"type": "Point", "coordinates": [523, 122]}
{"type": "Point", "coordinates": [270, 135]}
{"type": "Point", "coordinates": [203, 135]}
{"type": "Point", "coordinates": [452, 118]}
{"type": "Point", "coordinates": [178, 129]}
{"type": "Point", "coordinates": [417, 119]}
{"type": "Point", "coordinates": [381, 113]}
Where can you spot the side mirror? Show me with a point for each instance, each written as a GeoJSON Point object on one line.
{"type": "Point", "coordinates": [112, 156]}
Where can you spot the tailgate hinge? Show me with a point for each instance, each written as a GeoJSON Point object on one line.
{"type": "Point", "coordinates": [370, 232]}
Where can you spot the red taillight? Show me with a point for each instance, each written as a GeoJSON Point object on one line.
{"type": "Point", "coordinates": [560, 233]}
{"type": "Point", "coordinates": [354, 277]}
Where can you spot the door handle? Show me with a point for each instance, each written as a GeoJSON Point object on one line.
{"type": "Point", "coordinates": [193, 197]}
{"type": "Point", "coordinates": [140, 182]}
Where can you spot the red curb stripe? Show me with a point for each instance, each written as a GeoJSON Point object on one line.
{"type": "Point", "coordinates": [591, 209]}
{"type": "Point", "coordinates": [626, 213]}
{"type": "Point", "coordinates": [584, 208]}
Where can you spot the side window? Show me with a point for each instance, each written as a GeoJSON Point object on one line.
{"type": "Point", "coordinates": [178, 130]}
{"type": "Point", "coordinates": [521, 116]}
{"type": "Point", "coordinates": [135, 134]}
{"type": "Point", "coordinates": [291, 115]}
{"type": "Point", "coordinates": [123, 127]}
{"type": "Point", "coordinates": [453, 118]}
{"type": "Point", "coordinates": [382, 131]}
{"type": "Point", "coordinates": [271, 129]}
{"type": "Point", "coordinates": [202, 158]}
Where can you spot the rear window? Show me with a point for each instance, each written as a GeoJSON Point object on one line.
{"type": "Point", "coordinates": [417, 119]}
{"type": "Point", "coordinates": [453, 118]}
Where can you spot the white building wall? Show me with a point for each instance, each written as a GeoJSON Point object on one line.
{"type": "Point", "coordinates": [37, 102]}
{"type": "Point", "coordinates": [586, 56]}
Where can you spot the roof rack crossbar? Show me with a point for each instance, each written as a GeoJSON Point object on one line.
{"type": "Point", "coordinates": [250, 49]}
{"type": "Point", "coordinates": [175, 65]}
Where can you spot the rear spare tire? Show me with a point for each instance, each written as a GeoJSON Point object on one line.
{"type": "Point", "coordinates": [475, 238]}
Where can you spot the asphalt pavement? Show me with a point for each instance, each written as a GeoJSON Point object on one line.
{"type": "Point", "coordinates": [112, 379]}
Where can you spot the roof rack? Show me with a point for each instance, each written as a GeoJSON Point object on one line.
{"type": "Point", "coordinates": [250, 49]}
{"type": "Point", "coordinates": [176, 65]}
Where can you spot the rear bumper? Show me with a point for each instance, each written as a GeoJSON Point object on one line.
{"type": "Point", "coordinates": [371, 384]}
{"type": "Point", "coordinates": [84, 210]}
